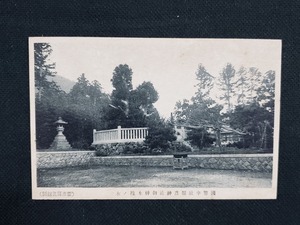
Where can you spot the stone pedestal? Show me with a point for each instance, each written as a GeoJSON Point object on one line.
{"type": "Point", "coordinates": [60, 142]}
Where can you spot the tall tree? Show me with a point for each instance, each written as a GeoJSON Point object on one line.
{"type": "Point", "coordinates": [141, 108]}
{"type": "Point", "coordinates": [205, 82]}
{"type": "Point", "coordinates": [85, 95]}
{"type": "Point", "coordinates": [80, 91]}
{"type": "Point", "coordinates": [50, 99]}
{"type": "Point", "coordinates": [147, 94]}
{"type": "Point", "coordinates": [119, 107]}
{"type": "Point", "coordinates": [48, 108]}
{"type": "Point", "coordinates": [201, 113]}
{"type": "Point", "coordinates": [256, 122]}
{"type": "Point", "coordinates": [122, 82]}
{"type": "Point", "coordinates": [131, 107]}
{"type": "Point", "coordinates": [43, 68]}
{"type": "Point", "coordinates": [95, 92]}
{"type": "Point", "coordinates": [202, 116]}
{"type": "Point", "coordinates": [227, 84]}
{"type": "Point", "coordinates": [207, 116]}
{"type": "Point", "coordinates": [266, 91]}
{"type": "Point", "coordinates": [254, 76]}
{"type": "Point", "coordinates": [241, 85]}
{"type": "Point", "coordinates": [182, 111]}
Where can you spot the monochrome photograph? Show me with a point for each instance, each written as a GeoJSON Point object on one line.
{"type": "Point", "coordinates": [154, 118]}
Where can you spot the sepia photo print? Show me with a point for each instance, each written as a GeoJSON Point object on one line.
{"type": "Point", "coordinates": [154, 118]}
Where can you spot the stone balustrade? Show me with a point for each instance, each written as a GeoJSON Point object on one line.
{"type": "Point", "coordinates": [120, 135]}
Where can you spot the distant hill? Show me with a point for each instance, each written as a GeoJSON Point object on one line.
{"type": "Point", "coordinates": [64, 83]}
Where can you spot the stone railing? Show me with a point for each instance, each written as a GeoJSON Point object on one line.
{"type": "Point", "coordinates": [120, 135]}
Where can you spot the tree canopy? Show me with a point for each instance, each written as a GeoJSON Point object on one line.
{"type": "Point", "coordinates": [226, 83]}
{"type": "Point", "coordinates": [248, 94]}
{"type": "Point", "coordinates": [249, 97]}
{"type": "Point", "coordinates": [131, 107]}
{"type": "Point", "coordinates": [43, 68]}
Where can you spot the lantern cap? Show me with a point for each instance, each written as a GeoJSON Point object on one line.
{"type": "Point", "coordinates": [60, 121]}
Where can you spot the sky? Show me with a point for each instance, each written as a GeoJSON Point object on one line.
{"type": "Point", "coordinates": [170, 64]}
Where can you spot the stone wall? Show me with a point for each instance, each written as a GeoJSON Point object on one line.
{"type": "Point", "coordinates": [63, 159]}
{"type": "Point", "coordinates": [252, 162]}
{"type": "Point", "coordinates": [133, 161]}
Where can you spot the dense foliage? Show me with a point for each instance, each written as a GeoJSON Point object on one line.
{"type": "Point", "coordinates": [72, 107]}
{"type": "Point", "coordinates": [200, 138]}
{"type": "Point", "coordinates": [86, 107]}
{"type": "Point", "coordinates": [257, 122]}
{"type": "Point", "coordinates": [160, 136]}
{"type": "Point", "coordinates": [131, 107]}
{"type": "Point", "coordinates": [249, 96]}
{"type": "Point", "coordinates": [43, 68]}
{"type": "Point", "coordinates": [52, 102]}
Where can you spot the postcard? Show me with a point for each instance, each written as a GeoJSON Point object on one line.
{"type": "Point", "coordinates": [154, 118]}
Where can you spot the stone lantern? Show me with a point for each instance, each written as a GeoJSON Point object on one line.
{"type": "Point", "coordinates": [60, 142]}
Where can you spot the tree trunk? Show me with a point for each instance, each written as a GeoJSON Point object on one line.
{"type": "Point", "coordinates": [202, 136]}
{"type": "Point", "coordinates": [218, 139]}
{"type": "Point", "coordinates": [265, 136]}
{"type": "Point", "coordinates": [229, 105]}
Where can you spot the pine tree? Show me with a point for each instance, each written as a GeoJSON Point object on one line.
{"type": "Point", "coordinates": [227, 84]}
{"type": "Point", "coordinates": [266, 92]}
{"type": "Point", "coordinates": [205, 82]}
{"type": "Point", "coordinates": [254, 76]}
{"type": "Point", "coordinates": [241, 86]}
{"type": "Point", "coordinates": [43, 68]}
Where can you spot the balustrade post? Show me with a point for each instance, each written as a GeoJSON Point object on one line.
{"type": "Point", "coordinates": [119, 133]}
{"type": "Point", "coordinates": [94, 135]}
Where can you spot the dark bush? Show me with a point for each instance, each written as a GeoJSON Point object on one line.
{"type": "Point", "coordinates": [80, 144]}
{"type": "Point", "coordinates": [92, 148]}
{"type": "Point", "coordinates": [157, 151]}
{"type": "Point", "coordinates": [101, 152]}
{"type": "Point", "coordinates": [200, 138]}
{"type": "Point", "coordinates": [105, 150]}
{"type": "Point", "coordinates": [127, 148]}
{"type": "Point", "coordinates": [180, 147]}
{"type": "Point", "coordinates": [160, 137]}
{"type": "Point", "coordinates": [239, 145]}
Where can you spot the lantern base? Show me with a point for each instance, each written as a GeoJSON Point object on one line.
{"type": "Point", "coordinates": [60, 143]}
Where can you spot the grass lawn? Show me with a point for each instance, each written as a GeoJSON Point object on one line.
{"type": "Point", "coordinates": [132, 176]}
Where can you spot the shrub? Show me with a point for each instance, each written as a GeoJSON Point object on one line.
{"type": "Point", "coordinates": [157, 151]}
{"type": "Point", "coordinates": [240, 144]}
{"type": "Point", "coordinates": [101, 152]}
{"type": "Point", "coordinates": [80, 144]}
{"type": "Point", "coordinates": [92, 148]}
{"type": "Point", "coordinates": [199, 138]}
{"type": "Point", "coordinates": [105, 150]}
{"type": "Point", "coordinates": [121, 149]}
{"type": "Point", "coordinates": [160, 136]}
{"type": "Point", "coordinates": [180, 147]}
